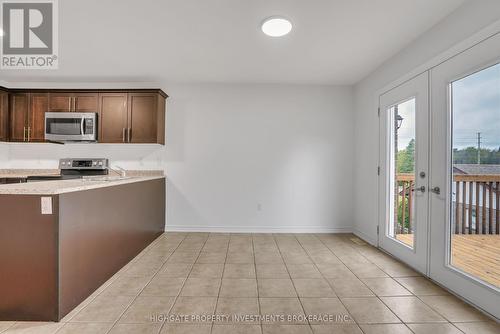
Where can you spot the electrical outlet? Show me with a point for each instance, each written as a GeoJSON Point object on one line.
{"type": "Point", "coordinates": [46, 204]}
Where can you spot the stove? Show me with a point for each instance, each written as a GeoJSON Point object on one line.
{"type": "Point", "coordinates": [76, 168]}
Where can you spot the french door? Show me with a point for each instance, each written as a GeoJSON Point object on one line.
{"type": "Point", "coordinates": [440, 174]}
{"type": "Point", "coordinates": [465, 168]}
{"type": "Point", "coordinates": [404, 158]}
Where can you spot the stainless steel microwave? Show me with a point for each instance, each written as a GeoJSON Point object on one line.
{"type": "Point", "coordinates": [70, 126]}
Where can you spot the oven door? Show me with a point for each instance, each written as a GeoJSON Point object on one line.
{"type": "Point", "coordinates": [70, 126]}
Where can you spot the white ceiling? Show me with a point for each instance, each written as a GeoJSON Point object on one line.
{"type": "Point", "coordinates": [333, 41]}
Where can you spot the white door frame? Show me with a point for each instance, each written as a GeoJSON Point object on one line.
{"type": "Point", "coordinates": [481, 56]}
{"type": "Point", "coordinates": [417, 88]}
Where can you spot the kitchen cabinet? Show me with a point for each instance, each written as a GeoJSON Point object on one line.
{"type": "Point", "coordinates": [27, 116]}
{"type": "Point", "coordinates": [19, 104]}
{"type": "Point", "coordinates": [133, 117]}
{"type": "Point", "coordinates": [73, 101]}
{"type": "Point", "coordinates": [36, 116]}
{"type": "Point", "coordinates": [4, 115]}
{"type": "Point", "coordinates": [124, 116]}
{"type": "Point", "coordinates": [9, 180]}
{"type": "Point", "coordinates": [146, 118]}
{"type": "Point", "coordinates": [112, 119]}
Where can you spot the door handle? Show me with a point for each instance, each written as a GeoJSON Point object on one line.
{"type": "Point", "coordinates": [123, 134]}
{"type": "Point", "coordinates": [436, 190]}
{"type": "Point", "coordinates": [421, 189]}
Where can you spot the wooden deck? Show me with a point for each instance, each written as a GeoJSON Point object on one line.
{"type": "Point", "coordinates": [478, 255]}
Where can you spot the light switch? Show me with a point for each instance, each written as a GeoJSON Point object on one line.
{"type": "Point", "coordinates": [46, 205]}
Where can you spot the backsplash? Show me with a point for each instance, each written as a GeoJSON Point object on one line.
{"type": "Point", "coordinates": [43, 155]}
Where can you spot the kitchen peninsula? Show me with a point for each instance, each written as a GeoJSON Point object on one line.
{"type": "Point", "coordinates": [60, 240]}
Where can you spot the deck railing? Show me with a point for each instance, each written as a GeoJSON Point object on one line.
{"type": "Point", "coordinates": [476, 203]}
{"type": "Point", "coordinates": [404, 203]}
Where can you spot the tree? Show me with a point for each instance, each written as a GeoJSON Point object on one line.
{"type": "Point", "coordinates": [469, 156]}
{"type": "Point", "coordinates": [405, 160]}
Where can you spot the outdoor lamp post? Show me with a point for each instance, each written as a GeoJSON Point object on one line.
{"type": "Point", "coordinates": [399, 121]}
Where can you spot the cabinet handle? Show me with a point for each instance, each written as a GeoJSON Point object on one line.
{"type": "Point", "coordinates": [29, 132]}
{"type": "Point", "coordinates": [24, 133]}
{"type": "Point", "coordinates": [129, 134]}
{"type": "Point", "coordinates": [69, 104]}
{"type": "Point", "coordinates": [74, 103]}
{"type": "Point", "coordinates": [123, 134]}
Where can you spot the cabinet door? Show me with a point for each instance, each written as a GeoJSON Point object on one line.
{"type": "Point", "coordinates": [4, 116]}
{"type": "Point", "coordinates": [60, 102]}
{"type": "Point", "coordinates": [162, 117]}
{"type": "Point", "coordinates": [19, 116]}
{"type": "Point", "coordinates": [143, 117]}
{"type": "Point", "coordinates": [36, 122]}
{"type": "Point", "coordinates": [112, 119]}
{"type": "Point", "coordinates": [85, 102]}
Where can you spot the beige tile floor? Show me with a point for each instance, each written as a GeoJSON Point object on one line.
{"type": "Point", "coordinates": [359, 288]}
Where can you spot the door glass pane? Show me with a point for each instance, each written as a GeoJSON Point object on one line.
{"type": "Point", "coordinates": [402, 172]}
{"type": "Point", "coordinates": [475, 239]}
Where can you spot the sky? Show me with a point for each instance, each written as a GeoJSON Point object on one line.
{"type": "Point", "coordinates": [407, 130]}
{"type": "Point", "coordinates": [476, 108]}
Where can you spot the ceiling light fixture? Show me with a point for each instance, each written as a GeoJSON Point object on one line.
{"type": "Point", "coordinates": [276, 26]}
{"type": "Point", "coordinates": [1, 32]}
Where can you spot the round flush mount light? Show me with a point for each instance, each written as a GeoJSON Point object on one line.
{"type": "Point", "coordinates": [276, 26]}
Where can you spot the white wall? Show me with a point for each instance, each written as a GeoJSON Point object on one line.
{"type": "Point", "coordinates": [463, 23]}
{"type": "Point", "coordinates": [267, 158]}
{"type": "Point", "coordinates": [233, 147]}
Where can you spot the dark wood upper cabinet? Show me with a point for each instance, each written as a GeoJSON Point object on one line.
{"type": "Point", "coordinates": [19, 105]}
{"type": "Point", "coordinates": [124, 116]}
{"type": "Point", "coordinates": [36, 117]}
{"type": "Point", "coordinates": [73, 101]}
{"type": "Point", "coordinates": [27, 116]}
{"type": "Point", "coordinates": [134, 117]}
{"type": "Point", "coordinates": [85, 102]}
{"type": "Point", "coordinates": [142, 118]}
{"type": "Point", "coordinates": [161, 122]}
{"type": "Point", "coordinates": [4, 115]}
{"type": "Point", "coordinates": [60, 102]}
{"type": "Point", "coordinates": [112, 119]}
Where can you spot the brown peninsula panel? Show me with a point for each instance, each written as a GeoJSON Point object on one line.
{"type": "Point", "coordinates": [28, 259]}
{"type": "Point", "coordinates": [51, 263]}
{"type": "Point", "coordinates": [101, 230]}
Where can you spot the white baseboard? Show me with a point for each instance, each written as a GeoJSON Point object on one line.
{"type": "Point", "coordinates": [365, 237]}
{"type": "Point", "coordinates": [257, 229]}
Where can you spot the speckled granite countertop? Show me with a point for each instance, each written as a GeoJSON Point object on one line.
{"type": "Point", "coordinates": [55, 187]}
{"type": "Point", "coordinates": [27, 172]}
{"type": "Point", "coordinates": [66, 186]}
